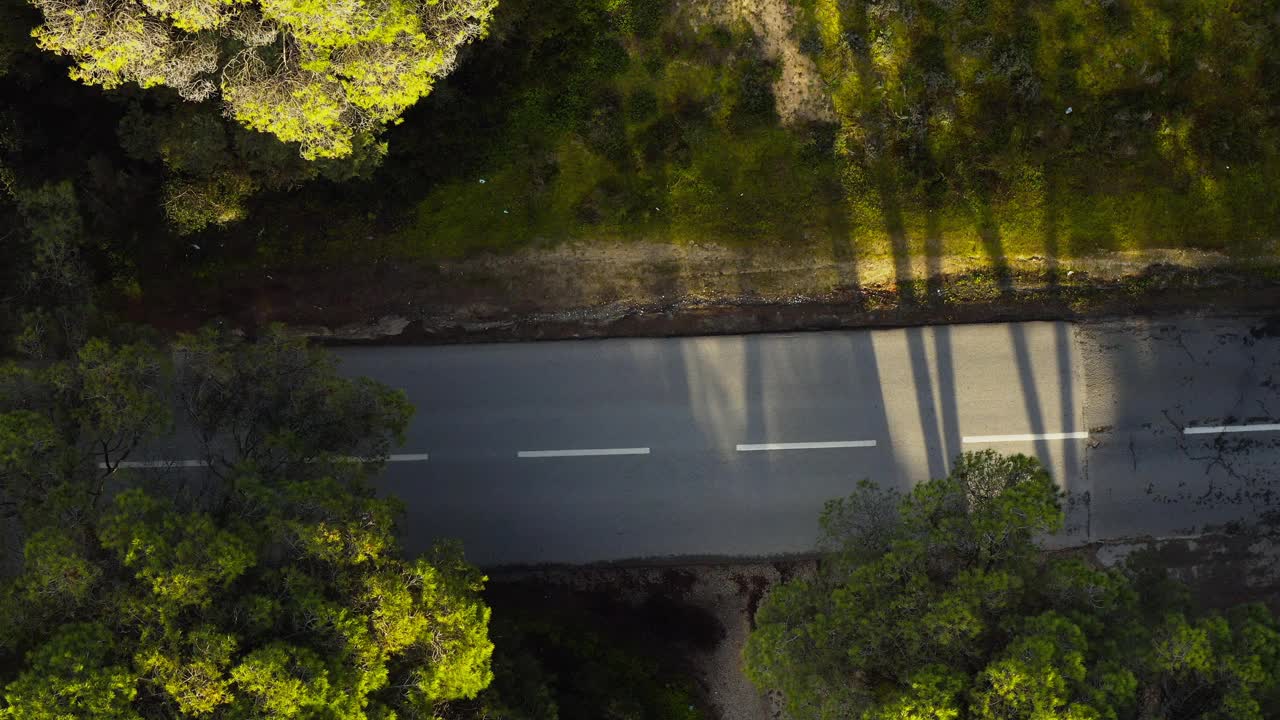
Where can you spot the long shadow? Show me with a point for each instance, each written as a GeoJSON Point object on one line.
{"type": "Point", "coordinates": [989, 231]}
{"type": "Point", "coordinates": [993, 245]}
{"type": "Point", "coordinates": [895, 228]}
{"type": "Point", "coordinates": [843, 252]}
{"type": "Point", "coordinates": [942, 439]}
{"type": "Point", "coordinates": [1062, 340]}
{"type": "Point", "coordinates": [681, 369]}
{"type": "Point", "coordinates": [923, 381]}
{"type": "Point", "coordinates": [951, 439]}
{"type": "Point", "coordinates": [1051, 245]}
{"type": "Point", "coordinates": [757, 424]}
{"type": "Point", "coordinates": [1150, 379]}
{"type": "Point", "coordinates": [945, 359]}
{"type": "Point", "coordinates": [921, 374]}
{"type": "Point", "coordinates": [1030, 395]}
{"type": "Point", "coordinates": [769, 389]}
{"type": "Point", "coordinates": [866, 369]}
{"type": "Point", "coordinates": [721, 383]}
{"type": "Point", "coordinates": [1061, 332]}
{"type": "Point", "coordinates": [933, 251]}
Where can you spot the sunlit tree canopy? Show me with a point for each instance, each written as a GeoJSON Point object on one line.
{"type": "Point", "coordinates": [272, 587]}
{"type": "Point", "coordinates": [320, 73]}
{"type": "Point", "coordinates": [940, 604]}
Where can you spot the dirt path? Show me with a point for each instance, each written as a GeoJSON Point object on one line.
{"type": "Point", "coordinates": [799, 91]}
{"type": "Point", "coordinates": [608, 288]}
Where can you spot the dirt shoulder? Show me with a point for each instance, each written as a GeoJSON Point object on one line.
{"type": "Point", "coordinates": [637, 289]}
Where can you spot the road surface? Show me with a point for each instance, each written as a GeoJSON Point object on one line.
{"type": "Point", "coordinates": [601, 450]}
{"type": "Point", "coordinates": [729, 446]}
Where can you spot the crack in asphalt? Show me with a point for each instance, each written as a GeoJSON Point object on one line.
{"type": "Point", "coordinates": [1085, 498]}
{"type": "Point", "coordinates": [1217, 459]}
{"type": "Point", "coordinates": [1182, 344]}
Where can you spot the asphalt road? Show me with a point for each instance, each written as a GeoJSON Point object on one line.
{"type": "Point", "coordinates": [619, 449]}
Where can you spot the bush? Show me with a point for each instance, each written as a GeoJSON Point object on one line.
{"type": "Point", "coordinates": [941, 604]}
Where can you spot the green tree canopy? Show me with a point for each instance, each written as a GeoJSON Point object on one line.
{"type": "Point", "coordinates": [940, 605]}
{"type": "Point", "coordinates": [270, 587]}
{"type": "Point", "coordinates": [213, 166]}
{"type": "Point", "coordinates": [321, 74]}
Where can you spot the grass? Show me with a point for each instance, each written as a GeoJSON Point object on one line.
{"type": "Point", "coordinates": [1001, 136]}
{"type": "Point", "coordinates": [668, 137]}
{"type": "Point", "coordinates": [626, 120]}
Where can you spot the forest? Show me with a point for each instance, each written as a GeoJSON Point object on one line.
{"type": "Point", "coordinates": [158, 157]}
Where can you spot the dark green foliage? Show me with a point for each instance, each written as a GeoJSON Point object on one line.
{"type": "Point", "coordinates": [211, 166]}
{"type": "Point", "coordinates": [556, 659]}
{"type": "Point", "coordinates": [580, 119]}
{"type": "Point", "coordinates": [270, 587]}
{"type": "Point", "coordinates": [941, 604]}
{"type": "Point", "coordinates": [641, 18]}
{"type": "Point", "coordinates": [299, 411]}
{"type": "Point", "coordinates": [753, 98]}
{"type": "Point", "coordinates": [642, 106]}
{"type": "Point", "coordinates": [950, 122]}
{"type": "Point", "coordinates": [633, 119]}
{"type": "Point", "coordinates": [1128, 125]}
{"type": "Point", "coordinates": [16, 21]}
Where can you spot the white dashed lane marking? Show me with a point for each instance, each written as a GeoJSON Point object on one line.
{"type": "Point", "coordinates": [1025, 438]}
{"type": "Point", "coordinates": [807, 445]}
{"type": "Point", "coordinates": [1216, 429]}
{"type": "Point", "coordinates": [581, 453]}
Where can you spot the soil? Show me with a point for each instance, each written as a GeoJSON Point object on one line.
{"type": "Point", "coordinates": [640, 289]}
{"type": "Point", "coordinates": [1226, 567]}
{"type": "Point", "coordinates": [799, 91]}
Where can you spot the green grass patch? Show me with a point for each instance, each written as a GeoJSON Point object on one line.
{"type": "Point", "coordinates": [973, 130]}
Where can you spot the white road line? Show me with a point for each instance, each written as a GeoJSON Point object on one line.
{"type": "Point", "coordinates": [581, 453]}
{"type": "Point", "coordinates": [1025, 438]}
{"type": "Point", "coordinates": [157, 464]}
{"type": "Point", "coordinates": [162, 464]}
{"type": "Point", "coordinates": [1215, 429]}
{"type": "Point", "coordinates": [807, 445]}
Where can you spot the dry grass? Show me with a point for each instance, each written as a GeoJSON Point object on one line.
{"type": "Point", "coordinates": [799, 90]}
